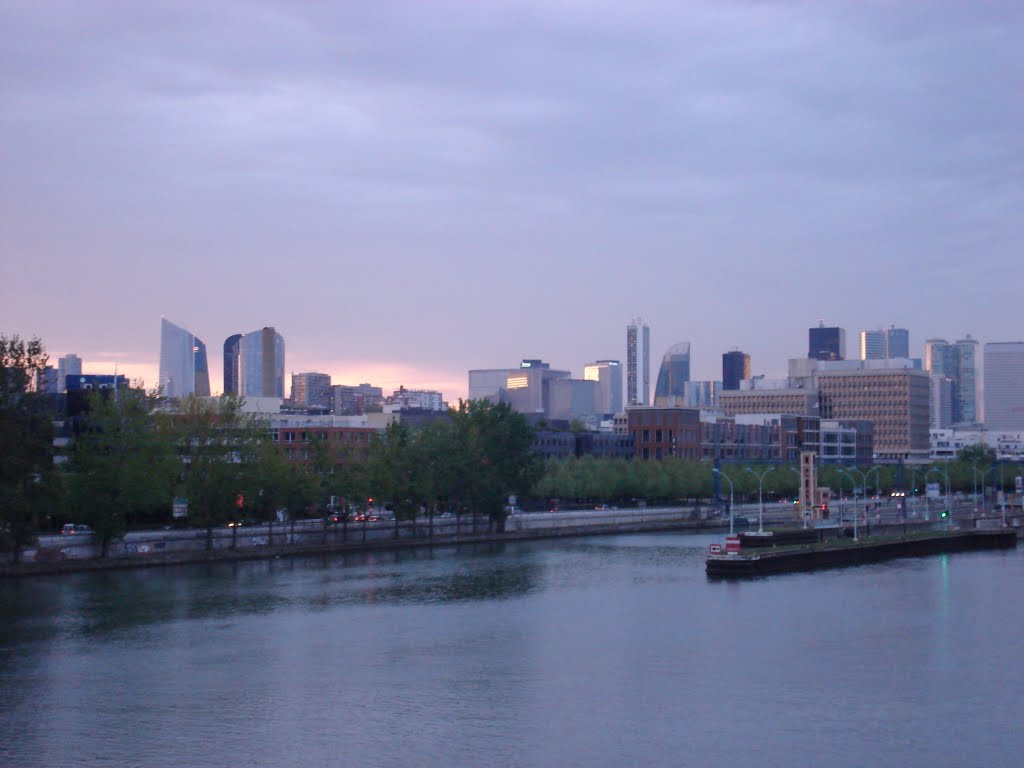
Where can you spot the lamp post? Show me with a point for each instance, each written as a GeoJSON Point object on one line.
{"type": "Point", "coordinates": [878, 483]}
{"type": "Point", "coordinates": [804, 513]}
{"type": "Point", "coordinates": [948, 512]}
{"type": "Point", "coordinates": [760, 496]}
{"type": "Point", "coordinates": [913, 494]}
{"type": "Point", "coordinates": [974, 467]}
{"type": "Point", "coordinates": [984, 474]}
{"type": "Point", "coordinates": [1002, 495]}
{"type": "Point", "coordinates": [717, 471]}
{"type": "Point", "coordinates": [853, 482]}
{"type": "Point", "coordinates": [842, 506]}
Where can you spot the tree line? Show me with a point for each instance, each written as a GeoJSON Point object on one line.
{"type": "Point", "coordinates": [587, 479]}
{"type": "Point", "coordinates": [130, 455]}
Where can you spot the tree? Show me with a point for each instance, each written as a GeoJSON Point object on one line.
{"type": "Point", "coordinates": [391, 470]}
{"type": "Point", "coordinates": [492, 457]}
{"type": "Point", "coordinates": [979, 454]}
{"type": "Point", "coordinates": [220, 447]}
{"type": "Point", "coordinates": [29, 483]}
{"type": "Point", "coordinates": [122, 462]}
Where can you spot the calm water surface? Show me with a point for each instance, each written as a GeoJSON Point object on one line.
{"type": "Point", "coordinates": [592, 652]}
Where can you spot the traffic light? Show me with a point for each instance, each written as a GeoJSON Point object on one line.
{"type": "Point", "coordinates": [944, 513]}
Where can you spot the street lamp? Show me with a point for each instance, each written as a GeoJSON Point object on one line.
{"type": "Point", "coordinates": [878, 483]}
{"type": "Point", "coordinates": [853, 482]}
{"type": "Point", "coordinates": [716, 470]}
{"type": "Point", "coordinates": [984, 474]}
{"type": "Point", "coordinates": [974, 467]}
{"type": "Point", "coordinates": [913, 494]}
{"type": "Point", "coordinates": [842, 506]}
{"type": "Point", "coordinates": [804, 512]}
{"type": "Point", "coordinates": [1002, 494]}
{"type": "Point", "coordinates": [948, 511]}
{"type": "Point", "coordinates": [760, 496]}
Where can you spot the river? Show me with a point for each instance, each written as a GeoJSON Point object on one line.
{"type": "Point", "coordinates": [600, 651]}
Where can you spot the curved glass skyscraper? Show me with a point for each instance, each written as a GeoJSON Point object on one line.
{"type": "Point", "coordinates": [231, 385]}
{"type": "Point", "coordinates": [183, 366]}
{"type": "Point", "coordinates": [261, 364]}
{"type": "Point", "coordinates": [673, 375]}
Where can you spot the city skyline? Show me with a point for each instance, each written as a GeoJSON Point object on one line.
{"type": "Point", "coordinates": [388, 186]}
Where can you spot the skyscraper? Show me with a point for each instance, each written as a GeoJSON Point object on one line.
{"type": "Point", "coordinates": [1004, 385]}
{"type": "Point", "coordinates": [735, 368]}
{"type": "Point", "coordinates": [608, 375]}
{"type": "Point", "coordinates": [69, 365]}
{"type": "Point", "coordinates": [897, 342]}
{"type": "Point", "coordinates": [183, 366]}
{"type": "Point", "coordinates": [940, 407]}
{"type": "Point", "coordinates": [826, 343]}
{"type": "Point", "coordinates": [872, 345]}
{"type": "Point", "coordinates": [638, 363]}
{"type": "Point", "coordinates": [940, 358]}
{"type": "Point", "coordinates": [884, 343]}
{"type": "Point", "coordinates": [965, 397]}
{"type": "Point", "coordinates": [673, 375]}
{"type": "Point", "coordinates": [231, 385]}
{"type": "Point", "coordinates": [959, 363]}
{"type": "Point", "coordinates": [261, 364]}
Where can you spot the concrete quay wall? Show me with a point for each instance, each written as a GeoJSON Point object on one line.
{"type": "Point", "coordinates": [58, 554]}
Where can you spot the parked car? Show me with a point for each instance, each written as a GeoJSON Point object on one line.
{"type": "Point", "coordinates": [70, 529]}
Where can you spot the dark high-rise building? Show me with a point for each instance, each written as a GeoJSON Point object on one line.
{"type": "Point", "coordinates": [231, 385]}
{"type": "Point", "coordinates": [673, 375]}
{"type": "Point", "coordinates": [735, 368]}
{"type": "Point", "coordinates": [826, 343]}
{"type": "Point", "coordinates": [638, 363]}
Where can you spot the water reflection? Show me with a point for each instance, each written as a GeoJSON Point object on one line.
{"type": "Point", "coordinates": [601, 651]}
{"type": "Point", "coordinates": [98, 605]}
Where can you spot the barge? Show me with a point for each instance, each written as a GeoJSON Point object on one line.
{"type": "Point", "coordinates": [838, 552]}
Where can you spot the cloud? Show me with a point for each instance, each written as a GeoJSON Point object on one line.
{"type": "Point", "coordinates": [459, 184]}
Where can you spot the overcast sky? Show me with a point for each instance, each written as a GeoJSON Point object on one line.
{"type": "Point", "coordinates": [407, 190]}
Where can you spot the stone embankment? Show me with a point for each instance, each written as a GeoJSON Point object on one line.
{"type": "Point", "coordinates": [66, 554]}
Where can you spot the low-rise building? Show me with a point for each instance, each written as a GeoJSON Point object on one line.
{"type": "Point", "coordinates": [661, 433]}
{"type": "Point", "coordinates": [946, 444]}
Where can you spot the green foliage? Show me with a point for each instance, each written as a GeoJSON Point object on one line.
{"type": "Point", "coordinates": [979, 454]}
{"type": "Point", "coordinates": [471, 462]}
{"type": "Point", "coordinates": [491, 445]}
{"type": "Point", "coordinates": [221, 450]}
{"type": "Point", "coordinates": [393, 468]}
{"type": "Point", "coordinates": [122, 463]}
{"type": "Point", "coordinates": [29, 484]}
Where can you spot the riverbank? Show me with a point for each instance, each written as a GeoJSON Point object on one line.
{"type": "Point", "coordinates": [189, 547]}
{"type": "Point", "coordinates": [142, 549]}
